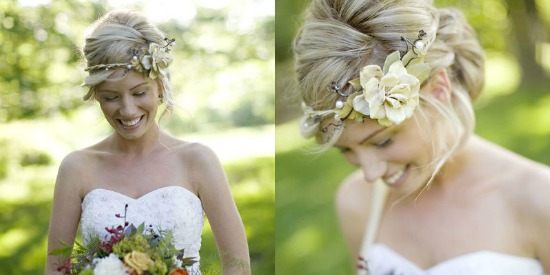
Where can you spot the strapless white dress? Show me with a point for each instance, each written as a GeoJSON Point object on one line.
{"type": "Point", "coordinates": [382, 260]}
{"type": "Point", "coordinates": [168, 208]}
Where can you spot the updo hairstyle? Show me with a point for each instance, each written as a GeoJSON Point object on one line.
{"type": "Point", "coordinates": [110, 40]}
{"type": "Point", "coordinates": [339, 37]}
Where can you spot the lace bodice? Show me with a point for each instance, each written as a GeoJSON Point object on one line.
{"type": "Point", "coordinates": [382, 260]}
{"type": "Point", "coordinates": [168, 208]}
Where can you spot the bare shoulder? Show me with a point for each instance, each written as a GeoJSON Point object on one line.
{"type": "Point", "coordinates": [353, 207]}
{"type": "Point", "coordinates": [530, 188]}
{"type": "Point", "coordinates": [76, 162]}
{"type": "Point", "coordinates": [196, 152]}
{"type": "Point", "coordinates": [205, 169]}
{"type": "Point", "coordinates": [537, 204]}
{"type": "Point", "coordinates": [74, 170]}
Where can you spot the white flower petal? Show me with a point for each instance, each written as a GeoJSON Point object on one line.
{"type": "Point", "coordinates": [146, 62]}
{"type": "Point", "coordinates": [401, 90]}
{"type": "Point", "coordinates": [392, 102]}
{"type": "Point", "coordinates": [389, 80]}
{"type": "Point", "coordinates": [369, 72]}
{"type": "Point", "coordinates": [361, 105]}
{"type": "Point", "coordinates": [111, 265]}
{"type": "Point", "coordinates": [371, 88]}
{"type": "Point", "coordinates": [397, 68]}
{"type": "Point", "coordinates": [376, 106]}
{"type": "Point", "coordinates": [409, 107]}
{"type": "Point", "coordinates": [395, 115]}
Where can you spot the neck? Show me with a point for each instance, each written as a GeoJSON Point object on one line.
{"type": "Point", "coordinates": [138, 146]}
{"type": "Point", "coordinates": [457, 172]}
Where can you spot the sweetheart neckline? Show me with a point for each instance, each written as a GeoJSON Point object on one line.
{"type": "Point", "coordinates": [142, 196]}
{"type": "Point", "coordinates": [454, 259]}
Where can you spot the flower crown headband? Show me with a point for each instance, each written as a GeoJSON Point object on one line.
{"type": "Point", "coordinates": [154, 61]}
{"type": "Point", "coordinates": [389, 94]}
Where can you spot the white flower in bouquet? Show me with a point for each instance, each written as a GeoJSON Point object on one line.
{"type": "Point", "coordinates": [111, 265]}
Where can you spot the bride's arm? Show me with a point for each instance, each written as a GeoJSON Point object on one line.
{"type": "Point", "coordinates": [353, 207]}
{"type": "Point", "coordinates": [65, 210]}
{"type": "Point", "coordinates": [534, 204]}
{"type": "Point", "coordinates": [212, 186]}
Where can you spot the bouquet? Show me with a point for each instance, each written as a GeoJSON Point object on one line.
{"type": "Point", "coordinates": [126, 250]}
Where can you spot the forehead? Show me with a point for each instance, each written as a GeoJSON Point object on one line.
{"type": "Point", "coordinates": [123, 80]}
{"type": "Point", "coordinates": [352, 132]}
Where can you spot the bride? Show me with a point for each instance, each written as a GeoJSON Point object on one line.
{"type": "Point", "coordinates": [166, 183]}
{"type": "Point", "coordinates": [390, 83]}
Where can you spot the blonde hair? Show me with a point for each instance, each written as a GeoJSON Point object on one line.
{"type": "Point", "coordinates": [110, 40]}
{"type": "Point", "coordinates": [339, 37]}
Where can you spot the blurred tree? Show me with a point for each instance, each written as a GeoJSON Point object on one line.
{"type": "Point", "coordinates": [227, 60]}
{"type": "Point", "coordinates": [37, 52]}
{"type": "Point", "coordinates": [528, 31]}
{"type": "Point", "coordinates": [224, 59]}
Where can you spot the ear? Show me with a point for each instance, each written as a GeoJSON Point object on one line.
{"type": "Point", "coordinates": [440, 87]}
{"type": "Point", "coordinates": [160, 89]}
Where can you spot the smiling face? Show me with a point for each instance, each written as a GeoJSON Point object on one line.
{"type": "Point", "coordinates": [129, 103]}
{"type": "Point", "coordinates": [401, 155]}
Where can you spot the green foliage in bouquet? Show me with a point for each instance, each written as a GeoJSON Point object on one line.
{"type": "Point", "coordinates": [141, 250]}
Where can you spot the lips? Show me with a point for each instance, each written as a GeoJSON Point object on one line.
{"type": "Point", "coordinates": [132, 123]}
{"type": "Point", "coordinates": [397, 178]}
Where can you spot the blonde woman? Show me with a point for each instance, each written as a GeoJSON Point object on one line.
{"type": "Point", "coordinates": [165, 182]}
{"type": "Point", "coordinates": [391, 83]}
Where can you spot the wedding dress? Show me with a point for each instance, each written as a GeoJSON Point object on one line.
{"type": "Point", "coordinates": [167, 208]}
{"type": "Point", "coordinates": [382, 260]}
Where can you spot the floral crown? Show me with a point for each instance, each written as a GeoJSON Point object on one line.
{"type": "Point", "coordinates": [389, 94]}
{"type": "Point", "coordinates": [154, 61]}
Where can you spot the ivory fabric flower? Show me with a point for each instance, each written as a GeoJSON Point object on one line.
{"type": "Point", "coordinates": [138, 261]}
{"type": "Point", "coordinates": [390, 98]}
{"type": "Point", "coordinates": [157, 61]}
{"type": "Point", "coordinates": [111, 265]}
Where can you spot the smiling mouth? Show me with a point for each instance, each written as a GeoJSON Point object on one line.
{"type": "Point", "coordinates": [130, 123]}
{"type": "Point", "coordinates": [395, 178]}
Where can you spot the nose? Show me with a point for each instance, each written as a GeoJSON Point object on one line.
{"type": "Point", "coordinates": [373, 167]}
{"type": "Point", "coordinates": [128, 107]}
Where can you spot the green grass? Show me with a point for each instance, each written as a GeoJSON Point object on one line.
{"type": "Point", "coordinates": [32, 150]}
{"type": "Point", "coordinates": [308, 237]}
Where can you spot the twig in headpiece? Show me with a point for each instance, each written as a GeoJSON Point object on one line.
{"type": "Point", "coordinates": [417, 44]}
{"type": "Point", "coordinates": [324, 129]}
{"type": "Point", "coordinates": [335, 87]}
{"type": "Point", "coordinates": [169, 43]}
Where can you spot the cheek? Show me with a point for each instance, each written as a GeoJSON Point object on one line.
{"type": "Point", "coordinates": [351, 158]}
{"type": "Point", "coordinates": [107, 108]}
{"type": "Point", "coordinates": [151, 102]}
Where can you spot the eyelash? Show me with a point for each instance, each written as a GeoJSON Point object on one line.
{"type": "Point", "coordinates": [384, 143]}
{"type": "Point", "coordinates": [108, 99]}
{"type": "Point", "coordinates": [344, 150]}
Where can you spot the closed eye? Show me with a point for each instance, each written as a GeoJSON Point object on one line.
{"type": "Point", "coordinates": [109, 98]}
{"type": "Point", "coordinates": [383, 143]}
{"type": "Point", "coordinates": [342, 150]}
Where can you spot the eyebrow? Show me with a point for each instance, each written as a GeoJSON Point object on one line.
{"type": "Point", "coordinates": [373, 134]}
{"type": "Point", "coordinates": [137, 86]}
